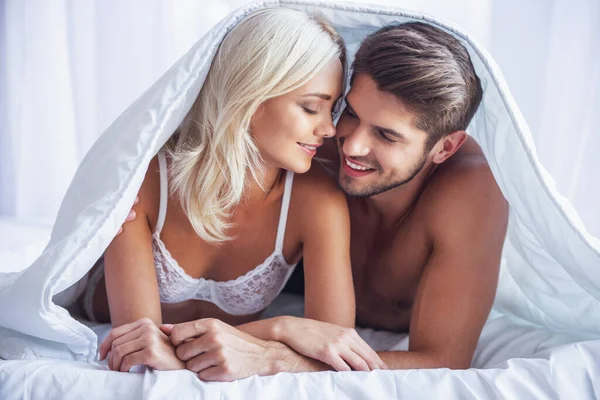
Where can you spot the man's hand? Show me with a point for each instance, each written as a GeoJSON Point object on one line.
{"type": "Point", "coordinates": [130, 216]}
{"type": "Point", "coordinates": [339, 347]}
{"type": "Point", "coordinates": [217, 351]}
{"type": "Point", "coordinates": [139, 343]}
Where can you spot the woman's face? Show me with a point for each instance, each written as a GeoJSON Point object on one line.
{"type": "Point", "coordinates": [289, 128]}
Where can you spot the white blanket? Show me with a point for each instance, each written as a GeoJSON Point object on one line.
{"type": "Point", "coordinates": [550, 273]}
{"type": "Point", "coordinates": [545, 368]}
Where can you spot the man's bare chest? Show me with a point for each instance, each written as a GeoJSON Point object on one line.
{"type": "Point", "coordinates": [387, 267]}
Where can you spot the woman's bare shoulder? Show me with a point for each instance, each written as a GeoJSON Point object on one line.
{"type": "Point", "coordinates": [317, 181]}
{"type": "Point", "coordinates": [149, 193]}
{"type": "Point", "coordinates": [318, 194]}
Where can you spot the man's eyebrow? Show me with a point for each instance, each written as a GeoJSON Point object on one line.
{"type": "Point", "coordinates": [323, 96]}
{"type": "Point", "coordinates": [392, 132]}
{"type": "Point", "coordinates": [387, 131]}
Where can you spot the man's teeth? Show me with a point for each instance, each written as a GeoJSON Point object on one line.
{"type": "Point", "coordinates": [356, 166]}
{"type": "Point", "coordinates": [306, 146]}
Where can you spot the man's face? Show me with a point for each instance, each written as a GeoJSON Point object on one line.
{"type": "Point", "coordinates": [380, 147]}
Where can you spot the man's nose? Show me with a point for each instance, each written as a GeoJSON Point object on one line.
{"type": "Point", "coordinates": [356, 143]}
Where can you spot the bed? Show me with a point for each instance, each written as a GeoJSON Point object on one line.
{"type": "Point", "coordinates": [512, 361]}
{"type": "Point", "coordinates": [542, 339]}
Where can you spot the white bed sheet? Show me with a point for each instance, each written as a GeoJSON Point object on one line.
{"type": "Point", "coordinates": [511, 361]}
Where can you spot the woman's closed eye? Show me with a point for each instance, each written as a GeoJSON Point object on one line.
{"type": "Point", "coordinates": [310, 111]}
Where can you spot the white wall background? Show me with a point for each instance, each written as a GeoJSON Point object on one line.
{"type": "Point", "coordinates": [68, 68]}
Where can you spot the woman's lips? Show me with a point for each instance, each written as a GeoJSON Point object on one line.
{"type": "Point", "coordinates": [309, 148]}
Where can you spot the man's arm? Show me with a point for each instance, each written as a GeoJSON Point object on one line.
{"type": "Point", "coordinates": [467, 224]}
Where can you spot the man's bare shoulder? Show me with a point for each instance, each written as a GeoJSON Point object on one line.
{"type": "Point", "coordinates": [463, 192]}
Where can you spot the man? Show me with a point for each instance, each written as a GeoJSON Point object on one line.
{"type": "Point", "coordinates": [428, 220]}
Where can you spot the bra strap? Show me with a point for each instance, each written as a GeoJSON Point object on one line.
{"type": "Point", "coordinates": [285, 206]}
{"type": "Point", "coordinates": [164, 192]}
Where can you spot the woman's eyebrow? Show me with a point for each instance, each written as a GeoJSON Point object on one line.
{"type": "Point", "coordinates": [323, 96]}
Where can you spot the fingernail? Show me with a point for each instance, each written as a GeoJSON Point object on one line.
{"type": "Point", "coordinates": [137, 200]}
{"type": "Point", "coordinates": [131, 214]}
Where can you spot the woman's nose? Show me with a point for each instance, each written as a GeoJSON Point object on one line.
{"type": "Point", "coordinates": [326, 129]}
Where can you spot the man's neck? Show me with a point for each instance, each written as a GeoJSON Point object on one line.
{"type": "Point", "coordinates": [392, 206]}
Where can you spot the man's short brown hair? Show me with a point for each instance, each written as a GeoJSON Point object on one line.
{"type": "Point", "coordinates": [428, 70]}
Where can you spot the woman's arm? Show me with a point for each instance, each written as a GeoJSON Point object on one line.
{"type": "Point", "coordinates": [325, 225]}
{"type": "Point", "coordinates": [131, 284]}
{"type": "Point", "coordinates": [326, 333]}
{"type": "Point", "coordinates": [132, 292]}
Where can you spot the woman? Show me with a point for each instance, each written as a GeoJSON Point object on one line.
{"type": "Point", "coordinates": [222, 217]}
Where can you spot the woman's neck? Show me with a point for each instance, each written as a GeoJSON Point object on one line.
{"type": "Point", "coordinates": [257, 192]}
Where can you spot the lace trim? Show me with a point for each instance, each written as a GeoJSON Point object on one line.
{"type": "Point", "coordinates": [246, 294]}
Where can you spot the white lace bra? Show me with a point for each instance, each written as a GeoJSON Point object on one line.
{"type": "Point", "coordinates": [247, 294]}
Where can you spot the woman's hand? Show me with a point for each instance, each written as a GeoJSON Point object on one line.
{"type": "Point", "coordinates": [217, 351]}
{"type": "Point", "coordinates": [139, 343]}
{"type": "Point", "coordinates": [339, 347]}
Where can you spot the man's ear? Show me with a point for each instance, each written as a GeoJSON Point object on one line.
{"type": "Point", "coordinates": [447, 146]}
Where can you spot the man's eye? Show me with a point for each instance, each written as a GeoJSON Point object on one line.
{"type": "Point", "coordinates": [384, 136]}
{"type": "Point", "coordinates": [311, 112]}
{"type": "Point", "coordinates": [350, 113]}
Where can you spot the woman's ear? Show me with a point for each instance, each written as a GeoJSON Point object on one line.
{"type": "Point", "coordinates": [447, 146]}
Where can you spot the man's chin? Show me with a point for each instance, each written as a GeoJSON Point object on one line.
{"type": "Point", "coordinates": [351, 189]}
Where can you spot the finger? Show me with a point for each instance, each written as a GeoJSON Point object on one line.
{"type": "Point", "coordinates": [128, 337]}
{"type": "Point", "coordinates": [203, 361]}
{"type": "Point", "coordinates": [122, 351]}
{"type": "Point", "coordinates": [187, 330]}
{"type": "Point", "coordinates": [115, 333]}
{"type": "Point", "coordinates": [193, 348]}
{"type": "Point", "coordinates": [367, 353]}
{"type": "Point", "coordinates": [337, 363]}
{"type": "Point", "coordinates": [137, 358]}
{"type": "Point", "coordinates": [166, 329]}
{"type": "Point", "coordinates": [367, 357]}
{"type": "Point", "coordinates": [215, 374]}
{"type": "Point", "coordinates": [131, 215]}
{"type": "Point", "coordinates": [355, 361]}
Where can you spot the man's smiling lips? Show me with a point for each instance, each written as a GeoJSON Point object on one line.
{"type": "Point", "coordinates": [354, 169]}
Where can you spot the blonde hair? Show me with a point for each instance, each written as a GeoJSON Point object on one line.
{"type": "Point", "coordinates": [268, 54]}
